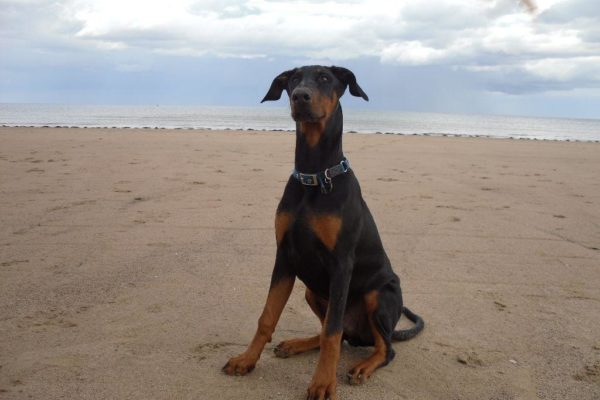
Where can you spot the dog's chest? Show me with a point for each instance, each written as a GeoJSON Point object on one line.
{"type": "Point", "coordinates": [308, 240]}
{"type": "Point", "coordinates": [304, 224]}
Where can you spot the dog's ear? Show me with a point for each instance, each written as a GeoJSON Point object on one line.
{"type": "Point", "coordinates": [348, 79]}
{"type": "Point", "coordinates": [278, 85]}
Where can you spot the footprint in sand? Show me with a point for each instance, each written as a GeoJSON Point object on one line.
{"type": "Point", "coordinates": [589, 373]}
{"type": "Point", "coordinates": [154, 308]}
{"type": "Point", "coordinates": [12, 262]}
{"type": "Point", "coordinates": [500, 306]}
{"type": "Point", "coordinates": [43, 319]}
{"type": "Point", "coordinates": [203, 349]}
{"type": "Point", "coordinates": [158, 244]}
{"type": "Point", "coordinates": [470, 359]}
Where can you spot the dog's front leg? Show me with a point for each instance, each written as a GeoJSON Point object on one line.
{"type": "Point", "coordinates": [324, 382]}
{"type": "Point", "coordinates": [282, 283]}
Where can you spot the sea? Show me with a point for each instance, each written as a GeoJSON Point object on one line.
{"type": "Point", "coordinates": [278, 119]}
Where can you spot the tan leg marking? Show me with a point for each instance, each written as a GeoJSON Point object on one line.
{"type": "Point", "coordinates": [363, 370]}
{"type": "Point", "coordinates": [292, 347]}
{"type": "Point", "coordinates": [324, 381]}
{"type": "Point", "coordinates": [276, 300]}
{"type": "Point", "coordinates": [327, 228]}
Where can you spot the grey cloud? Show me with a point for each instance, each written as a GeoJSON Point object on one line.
{"type": "Point", "coordinates": [492, 39]}
{"type": "Point", "coordinates": [224, 8]}
{"type": "Point", "coordinates": [568, 11]}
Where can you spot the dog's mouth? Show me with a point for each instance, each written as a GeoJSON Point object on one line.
{"type": "Point", "coordinates": [305, 115]}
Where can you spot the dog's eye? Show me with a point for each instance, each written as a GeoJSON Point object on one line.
{"type": "Point", "coordinates": [295, 80]}
{"type": "Point", "coordinates": [324, 78]}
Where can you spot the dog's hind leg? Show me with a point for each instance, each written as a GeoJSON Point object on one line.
{"type": "Point", "coordinates": [383, 314]}
{"type": "Point", "coordinates": [290, 347]}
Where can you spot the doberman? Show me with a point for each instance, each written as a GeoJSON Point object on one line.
{"type": "Point", "coordinates": [326, 236]}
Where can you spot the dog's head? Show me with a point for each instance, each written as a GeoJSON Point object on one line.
{"type": "Point", "coordinates": [314, 91]}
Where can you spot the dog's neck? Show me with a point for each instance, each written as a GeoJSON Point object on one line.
{"type": "Point", "coordinates": [319, 144]}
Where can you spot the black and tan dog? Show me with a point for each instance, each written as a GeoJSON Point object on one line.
{"type": "Point", "coordinates": [327, 237]}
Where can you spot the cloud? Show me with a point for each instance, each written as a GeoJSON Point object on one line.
{"type": "Point", "coordinates": [566, 70]}
{"type": "Point", "coordinates": [413, 53]}
{"type": "Point", "coordinates": [494, 39]}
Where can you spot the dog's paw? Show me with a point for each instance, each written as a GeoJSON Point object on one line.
{"type": "Point", "coordinates": [322, 390]}
{"type": "Point", "coordinates": [240, 365]}
{"type": "Point", "coordinates": [360, 373]}
{"type": "Point", "coordinates": [283, 350]}
{"type": "Point", "coordinates": [356, 377]}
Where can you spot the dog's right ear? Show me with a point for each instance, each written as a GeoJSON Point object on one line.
{"type": "Point", "coordinates": [279, 84]}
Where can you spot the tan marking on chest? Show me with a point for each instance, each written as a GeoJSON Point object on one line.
{"type": "Point", "coordinates": [327, 228]}
{"type": "Point", "coordinates": [283, 221]}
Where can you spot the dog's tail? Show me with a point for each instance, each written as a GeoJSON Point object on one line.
{"type": "Point", "coordinates": [410, 333]}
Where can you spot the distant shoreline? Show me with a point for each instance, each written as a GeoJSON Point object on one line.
{"type": "Point", "coordinates": [246, 130]}
{"type": "Point", "coordinates": [277, 119]}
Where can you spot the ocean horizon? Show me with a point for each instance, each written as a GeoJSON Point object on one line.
{"type": "Point", "coordinates": [278, 119]}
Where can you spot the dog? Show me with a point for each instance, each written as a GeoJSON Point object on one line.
{"type": "Point", "coordinates": [326, 237]}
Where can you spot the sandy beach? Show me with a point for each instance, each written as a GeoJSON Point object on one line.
{"type": "Point", "coordinates": [134, 263]}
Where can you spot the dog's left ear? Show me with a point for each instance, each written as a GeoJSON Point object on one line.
{"type": "Point", "coordinates": [347, 78]}
{"type": "Point", "coordinates": [278, 85]}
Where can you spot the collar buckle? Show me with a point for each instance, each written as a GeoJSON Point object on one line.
{"type": "Point", "coordinates": [324, 178]}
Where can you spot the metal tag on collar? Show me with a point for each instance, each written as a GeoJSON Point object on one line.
{"type": "Point", "coordinates": [325, 182]}
{"type": "Point", "coordinates": [309, 180]}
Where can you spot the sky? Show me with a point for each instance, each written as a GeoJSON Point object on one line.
{"type": "Point", "coordinates": [457, 56]}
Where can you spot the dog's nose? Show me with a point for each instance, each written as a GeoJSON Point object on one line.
{"type": "Point", "coordinates": [301, 96]}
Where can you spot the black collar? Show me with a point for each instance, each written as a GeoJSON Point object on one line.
{"type": "Point", "coordinates": [323, 178]}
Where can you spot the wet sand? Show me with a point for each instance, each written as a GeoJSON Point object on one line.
{"type": "Point", "coordinates": [134, 263]}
